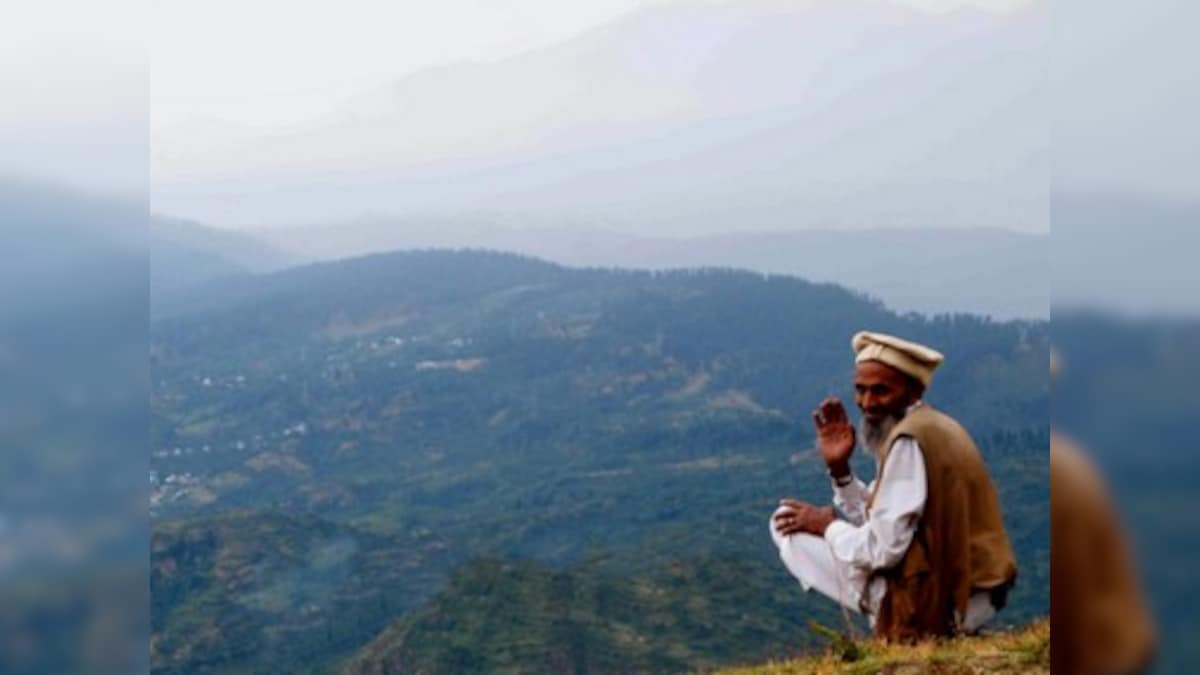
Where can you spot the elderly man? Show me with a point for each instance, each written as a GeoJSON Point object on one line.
{"type": "Point", "coordinates": [921, 550]}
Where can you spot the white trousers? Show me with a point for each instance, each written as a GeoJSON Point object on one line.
{"type": "Point", "coordinates": [810, 560]}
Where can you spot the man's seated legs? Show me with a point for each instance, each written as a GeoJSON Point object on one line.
{"type": "Point", "coordinates": [808, 558]}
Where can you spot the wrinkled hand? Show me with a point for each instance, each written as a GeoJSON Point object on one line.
{"type": "Point", "coordinates": [835, 435]}
{"type": "Point", "coordinates": [801, 516]}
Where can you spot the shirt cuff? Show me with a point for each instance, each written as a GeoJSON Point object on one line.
{"type": "Point", "coordinates": [847, 496]}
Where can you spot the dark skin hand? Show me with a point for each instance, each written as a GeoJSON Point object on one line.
{"type": "Point", "coordinates": [835, 436]}
{"type": "Point", "coordinates": [803, 517]}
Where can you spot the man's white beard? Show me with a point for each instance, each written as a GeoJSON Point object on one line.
{"type": "Point", "coordinates": [874, 434]}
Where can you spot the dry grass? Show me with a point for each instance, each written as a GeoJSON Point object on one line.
{"type": "Point", "coordinates": [1022, 652]}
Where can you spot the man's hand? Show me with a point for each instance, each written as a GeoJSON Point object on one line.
{"type": "Point", "coordinates": [835, 436]}
{"type": "Point", "coordinates": [803, 517]}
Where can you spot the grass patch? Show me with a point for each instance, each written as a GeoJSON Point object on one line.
{"type": "Point", "coordinates": [1025, 651]}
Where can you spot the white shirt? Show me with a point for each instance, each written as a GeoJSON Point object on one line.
{"type": "Point", "coordinates": [863, 544]}
{"type": "Point", "coordinates": [866, 544]}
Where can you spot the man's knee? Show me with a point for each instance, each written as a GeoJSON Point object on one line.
{"type": "Point", "coordinates": [775, 535]}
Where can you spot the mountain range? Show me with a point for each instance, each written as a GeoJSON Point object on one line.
{"type": "Point", "coordinates": [925, 271]}
{"type": "Point", "coordinates": [1000, 273]}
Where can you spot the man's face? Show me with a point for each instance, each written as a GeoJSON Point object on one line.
{"type": "Point", "coordinates": [882, 392]}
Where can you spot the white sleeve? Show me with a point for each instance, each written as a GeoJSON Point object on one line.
{"type": "Point", "coordinates": [851, 500]}
{"type": "Point", "coordinates": [881, 541]}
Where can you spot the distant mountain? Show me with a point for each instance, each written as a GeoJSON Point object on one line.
{"type": "Point", "coordinates": [1000, 273]}
{"type": "Point", "coordinates": [683, 117]}
{"type": "Point", "coordinates": [525, 411]}
{"type": "Point", "coordinates": [185, 254]}
{"type": "Point", "coordinates": [174, 267]}
{"type": "Point", "coordinates": [190, 252]}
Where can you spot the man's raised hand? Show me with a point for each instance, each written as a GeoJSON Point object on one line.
{"type": "Point", "coordinates": [835, 436]}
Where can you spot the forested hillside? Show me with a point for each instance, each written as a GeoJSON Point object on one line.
{"type": "Point", "coordinates": [623, 433]}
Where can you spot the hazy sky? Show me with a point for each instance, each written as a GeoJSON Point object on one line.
{"type": "Point", "coordinates": [1127, 97]}
{"type": "Point", "coordinates": [78, 87]}
{"type": "Point", "coordinates": [272, 63]}
{"type": "Point", "coordinates": [275, 112]}
{"type": "Point", "coordinates": [74, 81]}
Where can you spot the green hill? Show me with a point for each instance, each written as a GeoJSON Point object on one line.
{"type": "Point", "coordinates": [265, 592]}
{"type": "Point", "coordinates": [518, 410]}
{"type": "Point", "coordinates": [509, 617]}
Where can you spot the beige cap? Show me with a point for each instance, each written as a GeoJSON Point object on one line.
{"type": "Point", "coordinates": [911, 358]}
